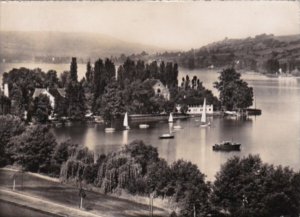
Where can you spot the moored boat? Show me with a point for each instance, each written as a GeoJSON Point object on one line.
{"type": "Point", "coordinates": [110, 130]}
{"type": "Point", "coordinates": [144, 126]}
{"type": "Point", "coordinates": [204, 122]}
{"type": "Point", "coordinates": [125, 122]}
{"type": "Point", "coordinates": [227, 146]}
{"type": "Point", "coordinates": [177, 127]}
{"type": "Point", "coordinates": [166, 136]}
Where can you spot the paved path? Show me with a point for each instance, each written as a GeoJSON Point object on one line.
{"type": "Point", "coordinates": [48, 194]}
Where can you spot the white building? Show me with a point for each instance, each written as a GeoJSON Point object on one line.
{"type": "Point", "coordinates": [161, 90]}
{"type": "Point", "coordinates": [197, 109]}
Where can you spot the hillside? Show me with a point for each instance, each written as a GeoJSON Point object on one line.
{"type": "Point", "coordinates": [42, 46]}
{"type": "Point", "coordinates": [263, 53]}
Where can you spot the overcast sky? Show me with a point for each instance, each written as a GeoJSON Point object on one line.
{"type": "Point", "coordinates": [176, 25]}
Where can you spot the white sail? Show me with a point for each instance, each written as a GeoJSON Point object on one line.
{"type": "Point", "coordinates": [170, 118]}
{"type": "Point", "coordinates": [125, 122]}
{"type": "Point", "coordinates": [203, 115]}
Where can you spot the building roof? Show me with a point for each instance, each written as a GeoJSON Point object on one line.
{"type": "Point", "coordinates": [38, 91]}
{"type": "Point", "coordinates": [55, 92]}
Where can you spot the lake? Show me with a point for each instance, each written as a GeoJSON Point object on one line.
{"type": "Point", "coordinates": [274, 135]}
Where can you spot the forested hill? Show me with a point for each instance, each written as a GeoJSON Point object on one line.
{"type": "Point", "coordinates": [42, 46]}
{"type": "Point", "coordinates": [263, 53]}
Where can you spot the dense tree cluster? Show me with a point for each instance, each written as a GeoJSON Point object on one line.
{"type": "Point", "coordinates": [103, 91]}
{"type": "Point", "coordinates": [234, 92]}
{"type": "Point", "coordinates": [33, 148]}
{"type": "Point", "coordinates": [247, 187]}
{"type": "Point", "coordinates": [138, 169]}
{"type": "Point", "coordinates": [41, 109]}
{"type": "Point", "coordinates": [10, 126]}
{"type": "Point", "coordinates": [192, 92]}
{"type": "Point", "coordinates": [111, 93]}
{"type": "Point", "coordinates": [263, 53]}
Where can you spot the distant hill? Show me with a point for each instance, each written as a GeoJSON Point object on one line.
{"type": "Point", "coordinates": [263, 53]}
{"type": "Point", "coordinates": [24, 46]}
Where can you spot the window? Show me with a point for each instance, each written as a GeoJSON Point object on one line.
{"type": "Point", "coordinates": [158, 91]}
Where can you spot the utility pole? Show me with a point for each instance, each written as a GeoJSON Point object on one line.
{"type": "Point", "coordinates": [151, 205]}
{"type": "Point", "coordinates": [14, 182]}
{"type": "Point", "coordinates": [194, 211]}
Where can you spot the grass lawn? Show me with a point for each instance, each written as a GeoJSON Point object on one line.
{"type": "Point", "coordinates": [59, 193]}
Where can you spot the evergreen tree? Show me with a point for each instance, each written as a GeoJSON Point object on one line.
{"type": "Point", "coordinates": [73, 70]}
{"type": "Point", "coordinates": [75, 101]}
{"type": "Point", "coordinates": [112, 103]}
{"type": "Point", "coordinates": [88, 74]}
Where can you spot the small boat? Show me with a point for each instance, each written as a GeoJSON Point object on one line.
{"type": "Point", "coordinates": [227, 146]}
{"type": "Point", "coordinates": [166, 136]}
{"type": "Point", "coordinates": [144, 126]}
{"type": "Point", "coordinates": [171, 118]}
{"type": "Point", "coordinates": [68, 123]}
{"type": "Point", "coordinates": [109, 130]}
{"type": "Point", "coordinates": [204, 122]}
{"type": "Point", "coordinates": [99, 120]}
{"type": "Point", "coordinates": [125, 122]}
{"type": "Point", "coordinates": [177, 127]}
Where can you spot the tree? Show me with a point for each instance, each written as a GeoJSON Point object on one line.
{"type": "Point", "coordinates": [51, 79]}
{"type": "Point", "coordinates": [188, 188]}
{"type": "Point", "coordinates": [234, 92]}
{"type": "Point", "coordinates": [5, 105]}
{"type": "Point", "coordinates": [33, 148]}
{"type": "Point", "coordinates": [272, 66]}
{"type": "Point", "coordinates": [41, 108]}
{"type": "Point", "coordinates": [73, 70]}
{"type": "Point", "coordinates": [10, 126]}
{"type": "Point", "coordinates": [89, 73]}
{"type": "Point", "coordinates": [75, 101]}
{"type": "Point", "coordinates": [247, 187]}
{"type": "Point", "coordinates": [112, 102]}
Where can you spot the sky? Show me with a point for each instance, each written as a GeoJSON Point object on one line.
{"type": "Point", "coordinates": [174, 24]}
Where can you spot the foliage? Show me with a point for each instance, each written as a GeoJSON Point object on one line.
{"type": "Point", "coordinates": [10, 126]}
{"type": "Point", "coordinates": [5, 104]}
{"type": "Point", "coordinates": [247, 187]}
{"type": "Point", "coordinates": [33, 148]}
{"type": "Point", "coordinates": [41, 108]}
{"type": "Point", "coordinates": [234, 92]}
{"type": "Point", "coordinates": [112, 102]}
{"type": "Point", "coordinates": [75, 101]}
{"type": "Point", "coordinates": [73, 70]}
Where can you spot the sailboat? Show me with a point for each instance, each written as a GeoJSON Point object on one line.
{"type": "Point", "coordinates": [171, 118]}
{"type": "Point", "coordinates": [204, 122]}
{"type": "Point", "coordinates": [125, 122]}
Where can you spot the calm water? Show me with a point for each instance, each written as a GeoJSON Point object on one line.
{"type": "Point", "coordinates": [275, 135]}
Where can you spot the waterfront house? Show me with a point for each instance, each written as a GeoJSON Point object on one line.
{"type": "Point", "coordinates": [160, 89]}
{"type": "Point", "coordinates": [55, 95]}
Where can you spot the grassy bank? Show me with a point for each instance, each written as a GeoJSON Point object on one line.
{"type": "Point", "coordinates": [67, 196]}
